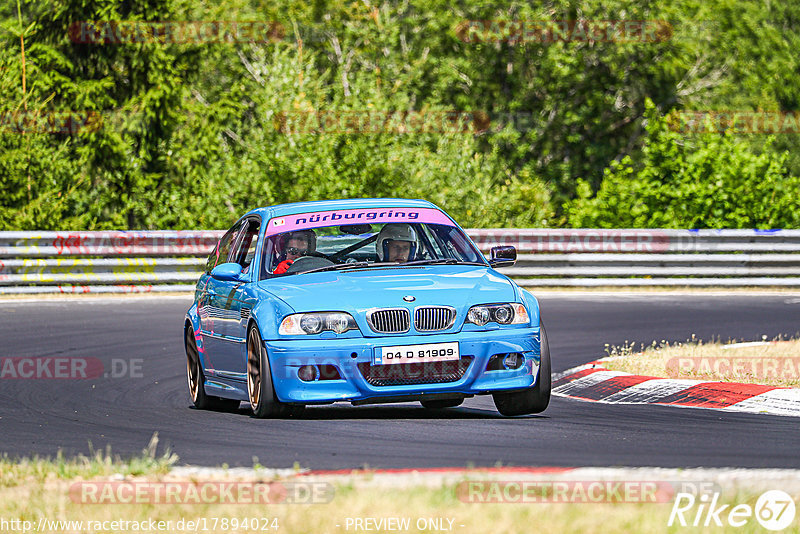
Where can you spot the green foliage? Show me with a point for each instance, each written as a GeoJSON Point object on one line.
{"type": "Point", "coordinates": [263, 161]}
{"type": "Point", "coordinates": [191, 134]}
{"type": "Point", "coordinates": [708, 181]}
{"type": "Point", "coordinates": [37, 170]}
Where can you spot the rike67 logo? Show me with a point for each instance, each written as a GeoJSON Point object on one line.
{"type": "Point", "coordinates": [774, 510]}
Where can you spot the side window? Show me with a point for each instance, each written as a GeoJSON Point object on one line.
{"type": "Point", "coordinates": [212, 259]}
{"type": "Point", "coordinates": [268, 255]}
{"type": "Point", "coordinates": [223, 248]}
{"type": "Point", "coordinates": [246, 248]}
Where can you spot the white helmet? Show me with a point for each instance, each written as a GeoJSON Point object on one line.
{"type": "Point", "coordinates": [395, 232]}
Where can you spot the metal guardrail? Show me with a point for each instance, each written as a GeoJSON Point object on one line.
{"type": "Point", "coordinates": [643, 257]}
{"type": "Point", "coordinates": [152, 261]}
{"type": "Point", "coordinates": [103, 262]}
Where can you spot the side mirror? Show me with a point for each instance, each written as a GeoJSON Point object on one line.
{"type": "Point", "coordinates": [503, 256]}
{"type": "Point", "coordinates": [227, 272]}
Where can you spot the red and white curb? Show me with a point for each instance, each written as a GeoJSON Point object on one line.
{"type": "Point", "coordinates": [592, 382]}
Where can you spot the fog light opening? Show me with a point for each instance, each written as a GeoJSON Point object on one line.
{"type": "Point", "coordinates": [329, 372]}
{"type": "Point", "coordinates": [513, 360]}
{"type": "Point", "coordinates": [308, 373]}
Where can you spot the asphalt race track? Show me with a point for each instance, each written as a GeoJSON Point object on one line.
{"type": "Point", "coordinates": [45, 415]}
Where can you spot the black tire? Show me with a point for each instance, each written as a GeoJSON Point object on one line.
{"type": "Point", "coordinates": [197, 380]}
{"type": "Point", "coordinates": [440, 404]}
{"type": "Point", "coordinates": [534, 399]}
{"type": "Point", "coordinates": [260, 390]}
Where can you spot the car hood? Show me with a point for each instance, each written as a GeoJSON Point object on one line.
{"type": "Point", "coordinates": [358, 290]}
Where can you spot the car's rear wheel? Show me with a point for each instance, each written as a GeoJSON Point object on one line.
{"type": "Point", "coordinates": [260, 390]}
{"type": "Point", "coordinates": [534, 399]}
{"type": "Point", "coordinates": [197, 380]}
{"type": "Point", "coordinates": [441, 403]}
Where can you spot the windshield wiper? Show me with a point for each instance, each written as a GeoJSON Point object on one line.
{"type": "Point", "coordinates": [442, 261]}
{"type": "Point", "coordinates": [346, 266]}
{"type": "Point", "coordinates": [365, 264]}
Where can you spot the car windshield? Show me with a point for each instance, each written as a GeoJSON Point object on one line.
{"type": "Point", "coordinates": [365, 245]}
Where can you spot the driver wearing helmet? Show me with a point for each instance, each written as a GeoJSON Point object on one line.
{"type": "Point", "coordinates": [396, 243]}
{"type": "Point", "coordinates": [295, 245]}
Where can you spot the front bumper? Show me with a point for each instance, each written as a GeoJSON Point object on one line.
{"type": "Point", "coordinates": [287, 356]}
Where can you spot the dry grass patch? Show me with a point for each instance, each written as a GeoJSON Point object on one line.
{"type": "Point", "coordinates": [39, 495]}
{"type": "Point", "coordinates": [23, 471]}
{"type": "Point", "coordinates": [423, 509]}
{"type": "Point", "coordinates": [773, 363]}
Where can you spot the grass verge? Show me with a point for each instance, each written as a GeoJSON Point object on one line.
{"type": "Point", "coordinates": [45, 500]}
{"type": "Point", "coordinates": [25, 471]}
{"type": "Point", "coordinates": [774, 363]}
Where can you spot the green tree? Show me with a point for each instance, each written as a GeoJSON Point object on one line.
{"type": "Point", "coordinates": [704, 181]}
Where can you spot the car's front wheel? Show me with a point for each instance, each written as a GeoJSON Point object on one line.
{"type": "Point", "coordinates": [260, 390]}
{"type": "Point", "coordinates": [534, 399]}
{"type": "Point", "coordinates": [197, 380]}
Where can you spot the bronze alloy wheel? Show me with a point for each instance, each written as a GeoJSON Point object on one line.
{"type": "Point", "coordinates": [192, 366]}
{"type": "Point", "coordinates": [254, 367]}
{"type": "Point", "coordinates": [191, 375]}
{"type": "Point", "coordinates": [263, 401]}
{"type": "Point", "coordinates": [196, 380]}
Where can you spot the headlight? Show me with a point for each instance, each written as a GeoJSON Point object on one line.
{"type": "Point", "coordinates": [512, 313]}
{"type": "Point", "coordinates": [299, 324]}
{"type": "Point", "coordinates": [311, 324]}
{"type": "Point", "coordinates": [480, 315]}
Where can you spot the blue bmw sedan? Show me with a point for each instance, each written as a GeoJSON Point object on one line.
{"type": "Point", "coordinates": [362, 301]}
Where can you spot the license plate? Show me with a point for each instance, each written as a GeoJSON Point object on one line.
{"type": "Point", "coordinates": [428, 352]}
